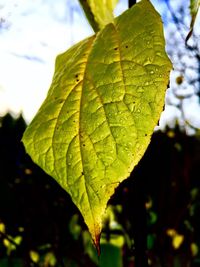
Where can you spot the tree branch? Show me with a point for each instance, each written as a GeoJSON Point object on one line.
{"type": "Point", "coordinates": [131, 3]}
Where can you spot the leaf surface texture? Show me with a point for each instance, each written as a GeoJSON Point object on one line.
{"type": "Point", "coordinates": [105, 99]}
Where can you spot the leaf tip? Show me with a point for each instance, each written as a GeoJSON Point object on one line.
{"type": "Point", "coordinates": [96, 241]}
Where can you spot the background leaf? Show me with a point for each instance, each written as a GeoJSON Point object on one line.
{"type": "Point", "coordinates": [98, 12]}
{"type": "Point", "coordinates": [105, 99]}
{"type": "Point", "coordinates": [103, 11]}
{"type": "Point", "coordinates": [194, 7]}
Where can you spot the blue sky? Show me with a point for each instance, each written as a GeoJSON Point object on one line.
{"type": "Point", "coordinates": [32, 34]}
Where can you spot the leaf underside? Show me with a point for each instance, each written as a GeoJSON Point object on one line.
{"type": "Point", "coordinates": [105, 99]}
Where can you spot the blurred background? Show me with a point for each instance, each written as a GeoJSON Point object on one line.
{"type": "Point", "coordinates": [155, 214]}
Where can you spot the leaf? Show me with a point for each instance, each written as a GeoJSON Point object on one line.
{"type": "Point", "coordinates": [50, 260]}
{"type": "Point", "coordinates": [103, 12]}
{"type": "Point", "coordinates": [105, 99]}
{"type": "Point", "coordinates": [34, 255]}
{"type": "Point", "coordinates": [194, 7]}
{"type": "Point", "coordinates": [98, 12]}
{"type": "Point", "coordinates": [2, 228]}
{"type": "Point", "coordinates": [194, 249]}
{"type": "Point", "coordinates": [89, 15]}
{"type": "Point", "coordinates": [177, 241]}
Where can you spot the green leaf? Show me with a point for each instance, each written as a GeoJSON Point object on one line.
{"type": "Point", "coordinates": [103, 12]}
{"type": "Point", "coordinates": [194, 7]}
{"type": "Point", "coordinates": [105, 99]}
{"type": "Point", "coordinates": [111, 256]}
{"type": "Point", "coordinates": [34, 255]}
{"type": "Point", "coordinates": [98, 12]}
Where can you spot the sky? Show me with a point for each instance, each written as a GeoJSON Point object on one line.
{"type": "Point", "coordinates": [32, 34]}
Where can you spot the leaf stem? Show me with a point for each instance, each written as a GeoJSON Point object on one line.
{"type": "Point", "coordinates": [89, 15]}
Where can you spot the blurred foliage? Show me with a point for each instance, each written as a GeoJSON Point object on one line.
{"type": "Point", "coordinates": [183, 48]}
{"type": "Point", "coordinates": [159, 205]}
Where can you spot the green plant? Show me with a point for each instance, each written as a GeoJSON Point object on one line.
{"type": "Point", "coordinates": [105, 99]}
